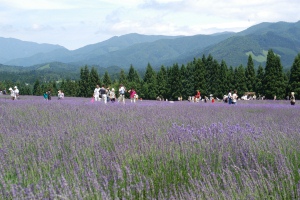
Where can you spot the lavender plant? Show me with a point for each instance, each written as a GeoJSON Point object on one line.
{"type": "Point", "coordinates": [75, 149]}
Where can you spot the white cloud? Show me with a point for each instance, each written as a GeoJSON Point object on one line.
{"type": "Point", "coordinates": [75, 23]}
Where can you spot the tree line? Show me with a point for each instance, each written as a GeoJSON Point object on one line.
{"type": "Point", "coordinates": [205, 74]}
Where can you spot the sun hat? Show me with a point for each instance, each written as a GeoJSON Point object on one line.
{"type": "Point", "coordinates": [112, 89]}
{"type": "Point", "coordinates": [15, 87]}
{"type": "Point", "coordinates": [10, 88]}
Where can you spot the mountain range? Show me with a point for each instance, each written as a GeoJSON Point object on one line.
{"type": "Point", "coordinates": [139, 50]}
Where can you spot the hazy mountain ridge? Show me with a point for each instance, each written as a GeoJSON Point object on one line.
{"type": "Point", "coordinates": [138, 50]}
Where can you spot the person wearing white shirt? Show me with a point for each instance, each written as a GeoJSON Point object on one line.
{"type": "Point", "coordinates": [122, 91]}
{"type": "Point", "coordinates": [97, 93]}
{"type": "Point", "coordinates": [12, 94]}
{"type": "Point", "coordinates": [234, 97]}
{"type": "Point", "coordinates": [16, 91]}
{"type": "Point", "coordinates": [60, 95]}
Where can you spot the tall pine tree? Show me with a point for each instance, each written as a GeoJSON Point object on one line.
{"type": "Point", "coordinates": [94, 80]}
{"type": "Point", "coordinates": [84, 84]}
{"type": "Point", "coordinates": [274, 84]}
{"type": "Point", "coordinates": [149, 84]}
{"type": "Point", "coordinates": [239, 79]}
{"type": "Point", "coordinates": [250, 75]}
{"type": "Point", "coordinates": [200, 77]}
{"type": "Point", "coordinates": [294, 83]}
{"type": "Point", "coordinates": [259, 89]}
{"type": "Point", "coordinates": [106, 79]}
{"type": "Point", "coordinates": [162, 80]}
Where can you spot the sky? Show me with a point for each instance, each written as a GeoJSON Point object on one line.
{"type": "Point", "coordinates": [77, 23]}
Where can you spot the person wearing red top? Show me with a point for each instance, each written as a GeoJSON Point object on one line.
{"type": "Point", "coordinates": [197, 96]}
{"type": "Point", "coordinates": [132, 94]}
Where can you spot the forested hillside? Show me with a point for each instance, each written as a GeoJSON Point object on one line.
{"type": "Point", "coordinates": [205, 74]}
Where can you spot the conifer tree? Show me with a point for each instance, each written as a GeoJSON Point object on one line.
{"type": "Point", "coordinates": [274, 84]}
{"type": "Point", "coordinates": [213, 76]}
{"type": "Point", "coordinates": [106, 79]}
{"type": "Point", "coordinates": [133, 80]}
{"type": "Point", "coordinates": [199, 77]}
{"type": "Point", "coordinates": [230, 79]}
{"type": "Point", "coordinates": [37, 89]}
{"type": "Point", "coordinates": [162, 80]}
{"type": "Point", "coordinates": [189, 85]}
{"type": "Point", "coordinates": [149, 84]}
{"type": "Point", "coordinates": [94, 80]}
{"type": "Point", "coordinates": [174, 79]}
{"type": "Point", "coordinates": [184, 82]}
{"type": "Point", "coordinates": [122, 77]}
{"type": "Point", "coordinates": [259, 89]}
{"type": "Point", "coordinates": [239, 79]}
{"type": "Point", "coordinates": [84, 85]}
{"type": "Point", "coordinates": [250, 75]}
{"type": "Point", "coordinates": [222, 81]}
{"type": "Point", "coordinates": [294, 82]}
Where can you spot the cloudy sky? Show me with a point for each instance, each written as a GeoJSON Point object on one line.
{"type": "Point", "coordinates": [76, 23]}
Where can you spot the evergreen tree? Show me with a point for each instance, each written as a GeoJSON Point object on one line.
{"type": "Point", "coordinates": [106, 79]}
{"type": "Point", "coordinates": [184, 82]}
{"type": "Point", "coordinates": [73, 88]}
{"type": "Point", "coordinates": [174, 82]}
{"type": "Point", "coordinates": [37, 89]}
{"type": "Point", "coordinates": [132, 75]}
{"type": "Point", "coordinates": [239, 79]}
{"type": "Point", "coordinates": [213, 76]}
{"type": "Point", "coordinates": [259, 89]}
{"type": "Point", "coordinates": [223, 86]}
{"type": "Point", "coordinates": [200, 77]}
{"type": "Point", "coordinates": [94, 80]}
{"type": "Point", "coordinates": [84, 85]}
{"type": "Point", "coordinates": [133, 80]}
{"type": "Point", "coordinates": [250, 75]}
{"type": "Point", "coordinates": [149, 85]}
{"type": "Point", "coordinates": [122, 78]}
{"type": "Point", "coordinates": [230, 79]}
{"type": "Point", "coordinates": [189, 83]}
{"type": "Point", "coordinates": [162, 80]}
{"type": "Point", "coordinates": [294, 82]}
{"type": "Point", "coordinates": [274, 84]}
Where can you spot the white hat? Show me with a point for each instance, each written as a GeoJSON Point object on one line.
{"type": "Point", "coordinates": [15, 87]}
{"type": "Point", "coordinates": [112, 89]}
{"type": "Point", "coordinates": [10, 88]}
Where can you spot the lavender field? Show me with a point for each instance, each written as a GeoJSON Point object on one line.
{"type": "Point", "coordinates": [75, 149]}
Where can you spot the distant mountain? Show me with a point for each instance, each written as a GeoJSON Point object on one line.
{"type": "Point", "coordinates": [14, 48]}
{"type": "Point", "coordinates": [139, 50]}
{"type": "Point", "coordinates": [79, 56]}
{"type": "Point", "coordinates": [156, 53]}
{"type": "Point", "coordinates": [282, 37]}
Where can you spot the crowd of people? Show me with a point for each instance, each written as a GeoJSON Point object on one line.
{"type": "Point", "coordinates": [14, 92]}
{"type": "Point", "coordinates": [107, 94]}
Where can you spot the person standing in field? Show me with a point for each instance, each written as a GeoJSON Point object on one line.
{"type": "Point", "coordinates": [97, 93]}
{"type": "Point", "coordinates": [197, 96]}
{"type": "Point", "coordinates": [60, 95]}
{"type": "Point", "coordinates": [234, 97]}
{"type": "Point", "coordinates": [132, 94]}
{"type": "Point", "coordinates": [16, 91]}
{"type": "Point", "coordinates": [49, 94]}
{"type": "Point", "coordinates": [12, 94]}
{"type": "Point", "coordinates": [293, 99]}
{"type": "Point", "coordinates": [103, 92]}
{"type": "Point", "coordinates": [45, 96]}
{"type": "Point", "coordinates": [229, 97]}
{"type": "Point", "coordinates": [112, 95]}
{"type": "Point", "coordinates": [122, 91]}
